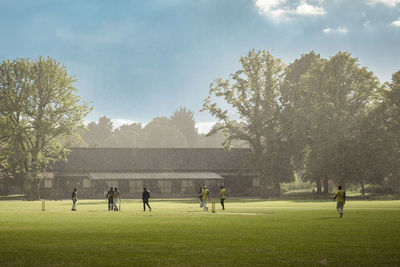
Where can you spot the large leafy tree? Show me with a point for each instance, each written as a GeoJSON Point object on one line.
{"type": "Point", "coordinates": [340, 94]}
{"type": "Point", "coordinates": [184, 121]}
{"type": "Point", "coordinates": [39, 112]}
{"type": "Point", "coordinates": [370, 151]}
{"type": "Point", "coordinates": [388, 113]}
{"type": "Point", "coordinates": [249, 108]}
{"type": "Point", "coordinates": [295, 100]}
{"type": "Point", "coordinates": [391, 105]}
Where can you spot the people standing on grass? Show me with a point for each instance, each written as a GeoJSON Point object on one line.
{"type": "Point", "coordinates": [340, 197]}
{"type": "Point", "coordinates": [145, 198]}
{"type": "Point", "coordinates": [110, 197]}
{"type": "Point", "coordinates": [205, 195]}
{"type": "Point", "coordinates": [200, 197]}
{"type": "Point", "coordinates": [74, 196]}
{"type": "Point", "coordinates": [223, 196]}
{"type": "Point", "coordinates": [116, 197]}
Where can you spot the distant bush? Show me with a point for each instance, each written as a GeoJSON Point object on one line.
{"type": "Point", "coordinates": [297, 185]}
{"type": "Point", "coordinates": [379, 190]}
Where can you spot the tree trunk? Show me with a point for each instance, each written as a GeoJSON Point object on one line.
{"type": "Point", "coordinates": [326, 189]}
{"type": "Point", "coordinates": [319, 187]}
{"type": "Point", "coordinates": [264, 185]}
{"type": "Point", "coordinates": [21, 183]}
{"type": "Point", "coordinates": [5, 186]}
{"type": "Point", "coordinates": [362, 188]}
{"type": "Point", "coordinates": [32, 189]}
{"type": "Point", "coordinates": [277, 188]}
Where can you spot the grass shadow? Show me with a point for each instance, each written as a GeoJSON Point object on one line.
{"type": "Point", "coordinates": [327, 218]}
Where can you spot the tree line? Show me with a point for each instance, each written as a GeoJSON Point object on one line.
{"type": "Point", "coordinates": [323, 119]}
{"type": "Point", "coordinates": [179, 130]}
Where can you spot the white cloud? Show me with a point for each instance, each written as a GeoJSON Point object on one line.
{"type": "Point", "coordinates": [278, 10]}
{"type": "Point", "coordinates": [327, 30]}
{"type": "Point", "coordinates": [339, 30]}
{"type": "Point", "coordinates": [204, 127]}
{"type": "Point", "coordinates": [396, 23]}
{"type": "Point", "coordinates": [309, 10]}
{"type": "Point", "coordinates": [279, 14]}
{"type": "Point", "coordinates": [118, 122]}
{"type": "Point", "coordinates": [390, 3]}
{"type": "Point", "coordinates": [273, 9]}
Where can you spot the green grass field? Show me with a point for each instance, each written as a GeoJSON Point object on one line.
{"type": "Point", "coordinates": [178, 233]}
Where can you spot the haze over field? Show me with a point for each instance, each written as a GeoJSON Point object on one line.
{"type": "Point", "coordinates": [136, 60]}
{"type": "Point", "coordinates": [192, 133]}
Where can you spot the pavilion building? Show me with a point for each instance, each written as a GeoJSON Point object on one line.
{"type": "Point", "coordinates": [166, 172]}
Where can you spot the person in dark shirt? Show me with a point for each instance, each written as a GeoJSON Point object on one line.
{"type": "Point", "coordinates": [109, 196]}
{"type": "Point", "coordinates": [223, 196]}
{"type": "Point", "coordinates": [145, 198]}
{"type": "Point", "coordinates": [74, 196]}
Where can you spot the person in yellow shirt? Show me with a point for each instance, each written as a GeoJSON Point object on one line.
{"type": "Point", "coordinates": [205, 195]}
{"type": "Point", "coordinates": [340, 198]}
{"type": "Point", "coordinates": [116, 198]}
{"type": "Point", "coordinates": [223, 196]}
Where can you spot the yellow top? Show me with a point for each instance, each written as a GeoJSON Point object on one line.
{"type": "Point", "coordinates": [223, 193]}
{"type": "Point", "coordinates": [204, 194]}
{"type": "Point", "coordinates": [340, 196]}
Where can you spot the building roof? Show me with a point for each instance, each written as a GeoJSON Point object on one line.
{"type": "Point", "coordinates": [153, 159]}
{"type": "Point", "coordinates": [153, 175]}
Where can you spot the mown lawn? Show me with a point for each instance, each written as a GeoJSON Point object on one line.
{"type": "Point", "coordinates": [178, 233]}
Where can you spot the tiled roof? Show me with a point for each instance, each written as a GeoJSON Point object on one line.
{"type": "Point", "coordinates": [152, 175]}
{"type": "Point", "coordinates": [153, 159]}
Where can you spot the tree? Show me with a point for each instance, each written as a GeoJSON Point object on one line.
{"type": "Point", "coordinates": [39, 113]}
{"type": "Point", "coordinates": [99, 133]}
{"type": "Point", "coordinates": [296, 103]}
{"type": "Point", "coordinates": [371, 150]}
{"type": "Point", "coordinates": [159, 133]}
{"type": "Point", "coordinates": [127, 136]}
{"type": "Point", "coordinates": [388, 113]}
{"type": "Point", "coordinates": [254, 115]}
{"type": "Point", "coordinates": [390, 106]}
{"type": "Point", "coordinates": [340, 94]}
{"type": "Point", "coordinates": [184, 121]}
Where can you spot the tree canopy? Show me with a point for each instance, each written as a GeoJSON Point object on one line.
{"type": "Point", "coordinates": [328, 119]}
{"type": "Point", "coordinates": [40, 113]}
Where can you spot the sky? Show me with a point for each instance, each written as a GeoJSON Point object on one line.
{"type": "Point", "coordinates": [137, 60]}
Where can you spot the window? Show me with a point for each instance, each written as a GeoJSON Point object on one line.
{"type": "Point", "coordinates": [165, 186]}
{"type": "Point", "coordinates": [187, 186]}
{"type": "Point", "coordinates": [112, 183]}
{"type": "Point", "coordinates": [86, 183]}
{"type": "Point", "coordinates": [48, 183]}
{"type": "Point", "coordinates": [212, 183]}
{"type": "Point", "coordinates": [256, 182]}
{"type": "Point", "coordinates": [135, 186]}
